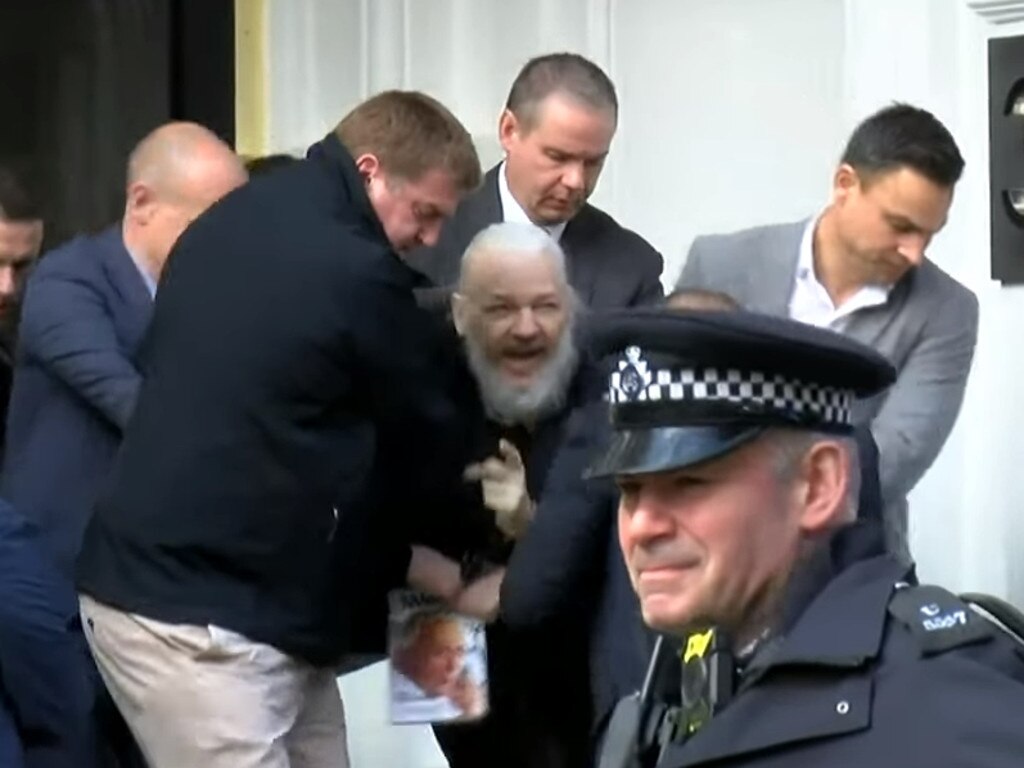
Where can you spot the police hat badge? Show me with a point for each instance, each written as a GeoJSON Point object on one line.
{"type": "Point", "coordinates": [632, 378]}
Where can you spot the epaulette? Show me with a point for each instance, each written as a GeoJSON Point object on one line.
{"type": "Point", "coordinates": [938, 619]}
{"type": "Point", "coordinates": [1000, 613]}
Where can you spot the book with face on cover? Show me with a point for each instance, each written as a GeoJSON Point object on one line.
{"type": "Point", "coordinates": [437, 659]}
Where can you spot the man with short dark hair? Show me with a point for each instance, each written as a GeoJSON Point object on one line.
{"type": "Point", "coordinates": [860, 268]}
{"type": "Point", "coordinates": [803, 642]}
{"type": "Point", "coordinates": [21, 237]}
{"type": "Point", "coordinates": [286, 365]}
{"type": "Point", "coordinates": [556, 131]}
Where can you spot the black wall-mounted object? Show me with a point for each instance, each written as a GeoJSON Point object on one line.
{"type": "Point", "coordinates": [1006, 158]}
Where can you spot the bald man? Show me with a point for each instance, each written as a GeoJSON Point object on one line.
{"type": "Point", "coordinates": [86, 308]}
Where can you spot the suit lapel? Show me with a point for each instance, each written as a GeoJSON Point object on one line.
{"type": "Point", "coordinates": [772, 286]}
{"type": "Point", "coordinates": [484, 207]}
{"type": "Point", "coordinates": [582, 261]}
{"type": "Point", "coordinates": [867, 325]}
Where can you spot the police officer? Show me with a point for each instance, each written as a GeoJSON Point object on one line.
{"type": "Point", "coordinates": [805, 644]}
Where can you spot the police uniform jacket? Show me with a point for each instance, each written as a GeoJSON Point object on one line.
{"type": "Point", "coordinates": [851, 685]}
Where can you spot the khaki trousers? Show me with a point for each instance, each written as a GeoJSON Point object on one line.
{"type": "Point", "coordinates": [210, 698]}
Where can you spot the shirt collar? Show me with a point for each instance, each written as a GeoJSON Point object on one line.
{"type": "Point", "coordinates": [866, 296]}
{"type": "Point", "coordinates": [147, 278]}
{"type": "Point", "coordinates": [512, 211]}
{"type": "Point", "coordinates": [805, 260]}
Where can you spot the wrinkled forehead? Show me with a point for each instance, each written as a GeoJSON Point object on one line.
{"type": "Point", "coordinates": [20, 240]}
{"type": "Point", "coordinates": [514, 274]}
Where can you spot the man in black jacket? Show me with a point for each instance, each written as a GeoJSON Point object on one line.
{"type": "Point", "coordinates": [286, 360]}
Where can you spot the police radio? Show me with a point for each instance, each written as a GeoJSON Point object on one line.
{"type": "Point", "coordinates": [642, 726]}
{"type": "Point", "coordinates": [632, 737]}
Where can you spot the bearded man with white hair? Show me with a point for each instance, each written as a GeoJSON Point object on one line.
{"type": "Point", "coordinates": [521, 374]}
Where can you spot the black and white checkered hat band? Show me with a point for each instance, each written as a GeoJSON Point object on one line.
{"type": "Point", "coordinates": [634, 383]}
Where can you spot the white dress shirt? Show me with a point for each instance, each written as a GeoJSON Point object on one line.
{"type": "Point", "coordinates": [144, 274]}
{"type": "Point", "coordinates": [810, 302]}
{"type": "Point", "coordinates": [512, 211]}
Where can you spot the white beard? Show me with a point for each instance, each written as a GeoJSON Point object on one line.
{"type": "Point", "coordinates": [517, 404]}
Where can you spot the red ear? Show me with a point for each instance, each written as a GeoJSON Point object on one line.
{"type": "Point", "coordinates": [826, 474]}
{"type": "Point", "coordinates": [139, 202]}
{"type": "Point", "coordinates": [368, 165]}
{"type": "Point", "coordinates": [845, 181]}
{"type": "Point", "coordinates": [508, 128]}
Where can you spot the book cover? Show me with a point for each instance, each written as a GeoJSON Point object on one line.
{"type": "Point", "coordinates": [438, 661]}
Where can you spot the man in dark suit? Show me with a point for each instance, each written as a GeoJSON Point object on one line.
{"type": "Point", "coordinates": [86, 309]}
{"type": "Point", "coordinates": [46, 677]}
{"type": "Point", "coordinates": [21, 237]}
{"type": "Point", "coordinates": [286, 361]}
{"type": "Point", "coordinates": [556, 130]}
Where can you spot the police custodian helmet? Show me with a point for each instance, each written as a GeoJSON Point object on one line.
{"type": "Point", "coordinates": [689, 386]}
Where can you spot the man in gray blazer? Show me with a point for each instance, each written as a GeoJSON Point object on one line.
{"type": "Point", "coordinates": [860, 268]}
{"type": "Point", "coordinates": [556, 130]}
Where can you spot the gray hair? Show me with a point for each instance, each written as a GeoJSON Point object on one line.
{"type": "Point", "coordinates": [412, 630]}
{"type": "Point", "coordinates": [513, 237]}
{"type": "Point", "coordinates": [506, 402]}
{"type": "Point", "coordinates": [792, 445]}
{"type": "Point", "coordinates": [568, 73]}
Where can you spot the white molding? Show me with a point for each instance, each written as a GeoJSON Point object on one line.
{"type": "Point", "coordinates": [998, 11]}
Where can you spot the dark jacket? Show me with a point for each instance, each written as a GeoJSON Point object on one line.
{"type": "Point", "coordinates": [609, 266]}
{"type": "Point", "coordinates": [7, 354]}
{"type": "Point", "coordinates": [855, 682]}
{"type": "Point", "coordinates": [286, 359]}
{"type": "Point", "coordinates": [569, 568]}
{"type": "Point", "coordinates": [538, 677]}
{"type": "Point", "coordinates": [47, 687]}
{"type": "Point", "coordinates": [85, 312]}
